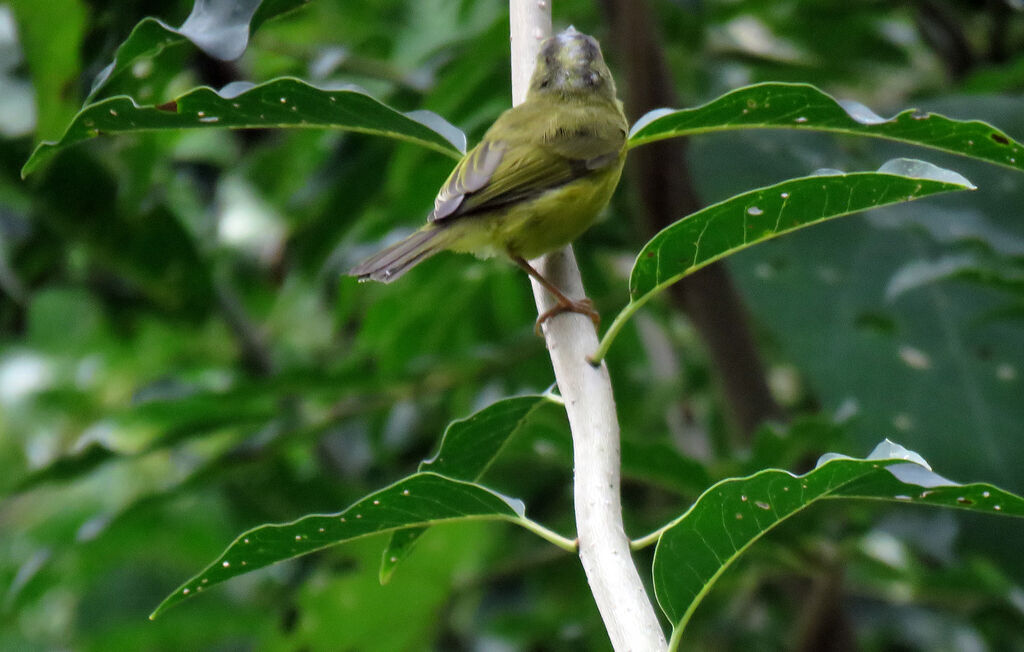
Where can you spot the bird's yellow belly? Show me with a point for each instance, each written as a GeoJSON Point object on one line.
{"type": "Point", "coordinates": [541, 225]}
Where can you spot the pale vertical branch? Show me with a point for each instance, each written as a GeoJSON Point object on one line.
{"type": "Point", "coordinates": [604, 548]}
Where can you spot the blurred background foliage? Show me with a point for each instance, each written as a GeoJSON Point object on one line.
{"type": "Point", "coordinates": [180, 359]}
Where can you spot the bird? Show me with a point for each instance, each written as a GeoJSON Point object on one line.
{"type": "Point", "coordinates": [537, 180]}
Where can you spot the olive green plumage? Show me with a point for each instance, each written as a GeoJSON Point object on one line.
{"type": "Point", "coordinates": [541, 174]}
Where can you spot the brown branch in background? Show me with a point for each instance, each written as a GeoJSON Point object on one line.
{"type": "Point", "coordinates": [663, 183]}
{"type": "Point", "coordinates": [660, 174]}
{"type": "Point", "coordinates": [999, 21]}
{"type": "Point", "coordinates": [823, 627]}
{"type": "Point", "coordinates": [943, 33]}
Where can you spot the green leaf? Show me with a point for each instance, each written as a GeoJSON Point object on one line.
{"type": "Point", "coordinates": [220, 28]}
{"type": "Point", "coordinates": [468, 448]}
{"type": "Point", "coordinates": [470, 445]}
{"type": "Point", "coordinates": [282, 102]}
{"type": "Point", "coordinates": [694, 550]}
{"type": "Point", "coordinates": [661, 464]}
{"type": "Point", "coordinates": [816, 297]}
{"type": "Point", "coordinates": [964, 267]}
{"type": "Point", "coordinates": [802, 106]}
{"type": "Point", "coordinates": [745, 220]}
{"type": "Point", "coordinates": [51, 35]}
{"type": "Point", "coordinates": [65, 467]}
{"type": "Point", "coordinates": [419, 500]}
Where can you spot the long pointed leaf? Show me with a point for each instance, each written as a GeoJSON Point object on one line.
{"type": "Point", "coordinates": [802, 106]}
{"type": "Point", "coordinates": [745, 220]}
{"type": "Point", "coordinates": [283, 102]}
{"type": "Point", "coordinates": [695, 550]}
{"type": "Point", "coordinates": [421, 499]}
{"type": "Point", "coordinates": [468, 448]}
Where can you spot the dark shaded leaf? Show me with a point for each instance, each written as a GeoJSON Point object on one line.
{"type": "Point", "coordinates": [964, 267]}
{"type": "Point", "coordinates": [940, 365]}
{"type": "Point", "coordinates": [661, 464]}
{"type": "Point", "coordinates": [470, 445]}
{"type": "Point", "coordinates": [468, 448]}
{"type": "Point", "coordinates": [66, 467]}
{"type": "Point", "coordinates": [220, 28]}
{"type": "Point", "coordinates": [153, 254]}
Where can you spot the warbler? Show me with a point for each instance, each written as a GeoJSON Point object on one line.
{"type": "Point", "coordinates": [537, 180]}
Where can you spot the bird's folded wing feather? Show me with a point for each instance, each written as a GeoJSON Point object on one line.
{"type": "Point", "coordinates": [496, 173]}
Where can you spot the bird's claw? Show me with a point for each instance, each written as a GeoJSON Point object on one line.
{"type": "Point", "coordinates": [582, 306]}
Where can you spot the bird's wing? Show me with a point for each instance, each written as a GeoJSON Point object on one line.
{"type": "Point", "coordinates": [471, 174]}
{"type": "Point", "coordinates": [496, 173]}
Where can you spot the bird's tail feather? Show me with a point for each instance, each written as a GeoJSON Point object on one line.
{"type": "Point", "coordinates": [399, 258]}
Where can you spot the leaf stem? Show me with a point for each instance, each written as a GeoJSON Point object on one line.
{"type": "Point", "coordinates": [648, 539]}
{"type": "Point", "coordinates": [613, 331]}
{"type": "Point", "coordinates": [566, 544]}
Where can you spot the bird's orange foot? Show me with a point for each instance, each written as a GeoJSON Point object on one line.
{"type": "Point", "coordinates": [583, 307]}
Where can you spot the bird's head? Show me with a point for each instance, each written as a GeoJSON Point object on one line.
{"type": "Point", "coordinates": [570, 65]}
